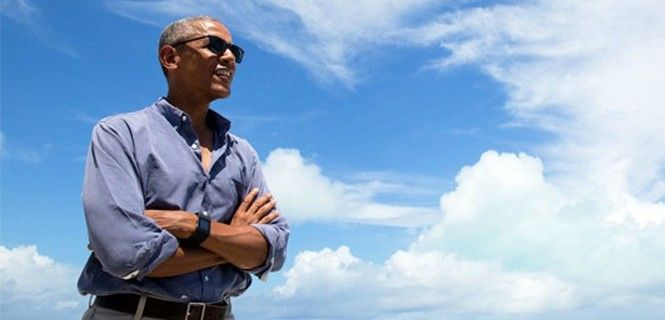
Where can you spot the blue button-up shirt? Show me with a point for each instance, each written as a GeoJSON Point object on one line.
{"type": "Point", "coordinates": [151, 159]}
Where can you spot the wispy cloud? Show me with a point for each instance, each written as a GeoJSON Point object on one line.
{"type": "Point", "coordinates": [252, 120]}
{"type": "Point", "coordinates": [84, 117]}
{"type": "Point", "coordinates": [464, 132]}
{"type": "Point", "coordinates": [31, 155]}
{"type": "Point", "coordinates": [328, 38]}
{"type": "Point", "coordinates": [27, 14]}
{"type": "Point", "coordinates": [583, 72]}
{"type": "Point", "coordinates": [405, 188]}
{"type": "Point", "coordinates": [19, 10]}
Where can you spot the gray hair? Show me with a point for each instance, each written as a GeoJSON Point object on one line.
{"type": "Point", "coordinates": [181, 30]}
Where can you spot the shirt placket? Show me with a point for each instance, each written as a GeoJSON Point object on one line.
{"type": "Point", "coordinates": [188, 134]}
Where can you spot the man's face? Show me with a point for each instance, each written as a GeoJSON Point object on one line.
{"type": "Point", "coordinates": [202, 72]}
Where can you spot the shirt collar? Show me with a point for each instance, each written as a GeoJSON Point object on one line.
{"type": "Point", "coordinates": [178, 118]}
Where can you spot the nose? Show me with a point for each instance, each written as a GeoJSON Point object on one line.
{"type": "Point", "coordinates": [228, 59]}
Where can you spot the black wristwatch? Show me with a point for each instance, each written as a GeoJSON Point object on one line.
{"type": "Point", "coordinates": [202, 231]}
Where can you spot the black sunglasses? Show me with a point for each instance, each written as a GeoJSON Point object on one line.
{"type": "Point", "coordinates": [218, 46]}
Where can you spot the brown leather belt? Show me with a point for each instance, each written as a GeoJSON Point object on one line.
{"type": "Point", "coordinates": [163, 309]}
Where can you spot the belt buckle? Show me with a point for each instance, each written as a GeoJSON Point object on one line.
{"type": "Point", "coordinates": [196, 304]}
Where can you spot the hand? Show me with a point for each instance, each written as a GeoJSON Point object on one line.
{"type": "Point", "coordinates": [252, 210]}
{"type": "Point", "coordinates": [181, 224]}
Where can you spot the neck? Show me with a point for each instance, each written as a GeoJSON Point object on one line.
{"type": "Point", "coordinates": [197, 109]}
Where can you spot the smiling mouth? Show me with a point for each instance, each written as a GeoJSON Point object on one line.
{"type": "Point", "coordinates": [223, 73]}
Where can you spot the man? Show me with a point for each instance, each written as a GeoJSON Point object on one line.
{"type": "Point", "coordinates": [170, 236]}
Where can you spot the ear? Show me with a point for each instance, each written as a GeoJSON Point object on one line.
{"type": "Point", "coordinates": [168, 57]}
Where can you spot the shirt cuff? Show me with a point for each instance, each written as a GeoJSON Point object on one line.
{"type": "Point", "coordinates": [156, 252]}
{"type": "Point", "coordinates": [264, 269]}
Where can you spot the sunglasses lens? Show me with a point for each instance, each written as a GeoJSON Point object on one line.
{"type": "Point", "coordinates": [218, 46]}
{"type": "Point", "coordinates": [237, 52]}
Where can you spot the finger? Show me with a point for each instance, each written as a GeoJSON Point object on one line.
{"type": "Point", "coordinates": [269, 218]}
{"type": "Point", "coordinates": [265, 209]}
{"type": "Point", "coordinates": [260, 202]}
{"type": "Point", "coordinates": [248, 200]}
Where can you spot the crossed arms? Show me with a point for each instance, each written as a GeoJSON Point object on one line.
{"type": "Point", "coordinates": [132, 242]}
{"type": "Point", "coordinates": [237, 243]}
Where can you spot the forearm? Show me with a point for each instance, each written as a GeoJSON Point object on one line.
{"type": "Point", "coordinates": [237, 243]}
{"type": "Point", "coordinates": [243, 246]}
{"type": "Point", "coordinates": [187, 260]}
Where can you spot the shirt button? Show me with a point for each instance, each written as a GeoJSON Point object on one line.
{"type": "Point", "coordinates": [206, 278]}
{"type": "Point", "coordinates": [194, 146]}
{"type": "Point", "coordinates": [183, 118]}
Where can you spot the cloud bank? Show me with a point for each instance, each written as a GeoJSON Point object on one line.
{"type": "Point", "coordinates": [434, 282]}
{"type": "Point", "coordinates": [34, 286]}
{"type": "Point", "coordinates": [511, 242]}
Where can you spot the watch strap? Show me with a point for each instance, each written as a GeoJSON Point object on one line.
{"type": "Point", "coordinates": [202, 231]}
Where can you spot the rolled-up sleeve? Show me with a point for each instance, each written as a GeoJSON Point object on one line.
{"type": "Point", "coordinates": [276, 232]}
{"type": "Point", "coordinates": [127, 243]}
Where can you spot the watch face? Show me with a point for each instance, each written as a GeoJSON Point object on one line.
{"type": "Point", "coordinates": [202, 231]}
{"type": "Point", "coordinates": [203, 214]}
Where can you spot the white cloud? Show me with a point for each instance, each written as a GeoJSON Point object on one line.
{"type": "Point", "coordinates": [36, 286]}
{"type": "Point", "coordinates": [434, 282]}
{"type": "Point", "coordinates": [504, 210]}
{"type": "Point", "coordinates": [450, 284]}
{"type": "Point", "coordinates": [340, 268]}
{"type": "Point", "coordinates": [304, 193]}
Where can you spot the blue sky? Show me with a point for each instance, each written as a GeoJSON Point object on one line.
{"type": "Point", "coordinates": [436, 159]}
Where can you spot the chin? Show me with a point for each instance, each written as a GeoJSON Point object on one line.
{"type": "Point", "coordinates": [221, 94]}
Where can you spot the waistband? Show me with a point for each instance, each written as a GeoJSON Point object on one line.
{"type": "Point", "coordinates": [163, 309]}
